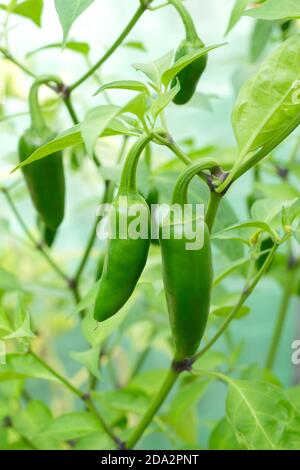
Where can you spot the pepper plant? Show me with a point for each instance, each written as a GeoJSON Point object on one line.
{"type": "Point", "coordinates": [128, 344]}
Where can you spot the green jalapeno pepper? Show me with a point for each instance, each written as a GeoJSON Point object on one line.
{"type": "Point", "coordinates": [125, 256]}
{"type": "Point", "coordinates": [187, 273]}
{"type": "Point", "coordinates": [45, 178]}
{"type": "Point", "coordinates": [188, 77]}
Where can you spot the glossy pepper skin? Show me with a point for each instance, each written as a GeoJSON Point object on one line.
{"type": "Point", "coordinates": [189, 77]}
{"type": "Point", "coordinates": [125, 257]}
{"type": "Point", "coordinates": [44, 178]}
{"type": "Point", "coordinates": [187, 270]}
{"type": "Point", "coordinates": [187, 276]}
{"type": "Point", "coordinates": [123, 265]}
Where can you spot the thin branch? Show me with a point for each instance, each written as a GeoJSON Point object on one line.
{"type": "Point", "coordinates": [212, 209]}
{"type": "Point", "coordinates": [84, 397]}
{"type": "Point", "coordinates": [141, 9]}
{"type": "Point", "coordinates": [29, 235]}
{"type": "Point", "coordinates": [15, 61]}
{"type": "Point", "coordinates": [70, 108]}
{"type": "Point", "coordinates": [155, 406]}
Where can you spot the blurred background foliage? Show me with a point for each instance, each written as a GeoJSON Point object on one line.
{"type": "Point", "coordinates": [135, 347]}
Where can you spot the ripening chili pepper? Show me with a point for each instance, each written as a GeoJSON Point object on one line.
{"type": "Point", "coordinates": [126, 255]}
{"type": "Point", "coordinates": [188, 77]}
{"type": "Point", "coordinates": [45, 178]}
{"type": "Point", "coordinates": [187, 273]}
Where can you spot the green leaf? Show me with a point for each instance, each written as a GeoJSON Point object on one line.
{"type": "Point", "coordinates": [72, 137]}
{"type": "Point", "coordinates": [68, 138]}
{"type": "Point", "coordinates": [5, 325]}
{"type": "Point", "coordinates": [284, 191]}
{"type": "Point", "coordinates": [73, 426]}
{"type": "Point", "coordinates": [168, 75]}
{"type": "Point", "coordinates": [223, 437]}
{"type": "Point", "coordinates": [95, 122]}
{"type": "Point", "coordinates": [94, 441]}
{"type": "Point", "coordinates": [22, 328]}
{"type": "Point", "coordinates": [31, 9]}
{"type": "Point", "coordinates": [125, 400]}
{"type": "Point", "coordinates": [155, 70]}
{"type": "Point", "coordinates": [31, 421]}
{"type": "Point", "coordinates": [293, 395]}
{"type": "Point", "coordinates": [135, 45]}
{"type": "Point", "coordinates": [75, 46]}
{"type": "Point", "coordinates": [224, 311]}
{"type": "Point", "coordinates": [24, 366]}
{"type": "Point", "coordinates": [162, 101]}
{"type": "Point", "coordinates": [276, 10]}
{"type": "Point", "coordinates": [137, 106]}
{"type": "Point", "coordinates": [256, 224]}
{"type": "Point", "coordinates": [259, 38]}
{"type": "Point", "coordinates": [187, 396]}
{"type": "Point", "coordinates": [68, 11]}
{"type": "Point", "coordinates": [266, 107]}
{"type": "Point", "coordinates": [270, 210]}
{"type": "Point", "coordinates": [95, 333]}
{"type": "Point", "coordinates": [132, 85]}
{"type": "Point", "coordinates": [90, 359]}
{"type": "Point", "coordinates": [250, 410]}
{"type": "Point", "coordinates": [236, 14]}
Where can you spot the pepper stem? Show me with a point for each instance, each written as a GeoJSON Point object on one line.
{"type": "Point", "coordinates": [182, 184]}
{"type": "Point", "coordinates": [37, 119]}
{"type": "Point", "coordinates": [128, 178]}
{"type": "Point", "coordinates": [190, 29]}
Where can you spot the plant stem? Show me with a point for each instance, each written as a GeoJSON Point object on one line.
{"type": "Point", "coordinates": [57, 375]}
{"type": "Point", "coordinates": [247, 291]}
{"type": "Point", "coordinates": [70, 108]}
{"type": "Point", "coordinates": [256, 158]}
{"type": "Point", "coordinates": [112, 49]}
{"type": "Point", "coordinates": [87, 250]}
{"type": "Point", "coordinates": [84, 397]}
{"type": "Point", "coordinates": [282, 313]}
{"type": "Point", "coordinates": [190, 30]}
{"type": "Point", "coordinates": [27, 232]}
{"type": "Point", "coordinates": [15, 61]}
{"type": "Point", "coordinates": [153, 408]}
{"type": "Point", "coordinates": [179, 152]}
{"type": "Point", "coordinates": [66, 99]}
{"type": "Point", "coordinates": [212, 209]}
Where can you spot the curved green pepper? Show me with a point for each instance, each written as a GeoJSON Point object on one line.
{"type": "Point", "coordinates": [188, 77]}
{"type": "Point", "coordinates": [45, 177]}
{"type": "Point", "coordinates": [187, 273]}
{"type": "Point", "coordinates": [126, 257]}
